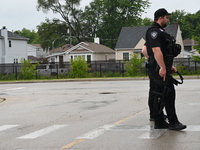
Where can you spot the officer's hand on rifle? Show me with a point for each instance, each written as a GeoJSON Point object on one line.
{"type": "Point", "coordinates": [162, 73]}
{"type": "Point", "coordinates": [174, 70]}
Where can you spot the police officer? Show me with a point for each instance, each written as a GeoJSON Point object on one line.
{"type": "Point", "coordinates": [151, 97]}
{"type": "Point", "coordinates": [157, 42]}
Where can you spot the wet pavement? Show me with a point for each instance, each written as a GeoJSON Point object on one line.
{"type": "Point", "coordinates": [93, 115]}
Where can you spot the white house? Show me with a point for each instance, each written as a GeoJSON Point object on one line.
{"type": "Point", "coordinates": [13, 47]}
{"type": "Point", "coordinates": [35, 52]}
{"type": "Point", "coordinates": [89, 51]}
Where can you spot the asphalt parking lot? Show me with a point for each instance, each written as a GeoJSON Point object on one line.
{"type": "Point", "coordinates": [88, 114]}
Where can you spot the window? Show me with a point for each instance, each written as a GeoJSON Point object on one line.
{"type": "Point", "coordinates": [88, 58]}
{"type": "Point", "coordinates": [126, 56]}
{"type": "Point", "coordinates": [75, 56]}
{"type": "Point", "coordinates": [9, 43]}
{"type": "Point", "coordinates": [53, 59]}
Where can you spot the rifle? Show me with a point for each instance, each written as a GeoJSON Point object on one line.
{"type": "Point", "coordinates": [166, 89]}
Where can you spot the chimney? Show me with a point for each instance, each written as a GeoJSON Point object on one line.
{"type": "Point", "coordinates": [96, 40]}
{"type": "Point", "coordinates": [4, 33]}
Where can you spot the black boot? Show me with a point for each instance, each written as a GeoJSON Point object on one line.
{"type": "Point", "coordinates": [164, 125]}
{"type": "Point", "coordinates": [177, 126]}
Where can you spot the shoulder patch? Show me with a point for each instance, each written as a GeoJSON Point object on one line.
{"type": "Point", "coordinates": [154, 34]}
{"type": "Point", "coordinates": [162, 30]}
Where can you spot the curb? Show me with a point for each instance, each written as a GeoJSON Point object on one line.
{"type": "Point", "coordinates": [95, 79]}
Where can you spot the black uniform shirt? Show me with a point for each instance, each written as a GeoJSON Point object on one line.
{"type": "Point", "coordinates": [155, 37]}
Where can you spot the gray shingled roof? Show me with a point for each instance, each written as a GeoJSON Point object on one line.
{"type": "Point", "coordinates": [12, 35]}
{"type": "Point", "coordinates": [130, 36]}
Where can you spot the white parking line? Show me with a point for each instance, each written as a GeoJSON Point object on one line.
{"type": "Point", "coordinates": [13, 89]}
{"type": "Point", "coordinates": [97, 132]}
{"type": "Point", "coordinates": [153, 134]}
{"type": "Point", "coordinates": [192, 128]}
{"type": "Point", "coordinates": [42, 132]}
{"type": "Point", "coordinates": [6, 127]}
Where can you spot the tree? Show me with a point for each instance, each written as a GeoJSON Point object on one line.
{"type": "Point", "coordinates": [32, 35]}
{"type": "Point", "coordinates": [146, 22]}
{"type": "Point", "coordinates": [69, 11]}
{"type": "Point", "coordinates": [197, 47]}
{"type": "Point", "coordinates": [91, 20]}
{"type": "Point", "coordinates": [103, 18]}
{"type": "Point", "coordinates": [177, 17]}
{"type": "Point", "coordinates": [189, 23]}
{"type": "Point", "coordinates": [52, 34]}
{"type": "Point", "coordinates": [116, 14]}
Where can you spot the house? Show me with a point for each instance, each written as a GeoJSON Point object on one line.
{"type": "Point", "coordinates": [189, 44]}
{"type": "Point", "coordinates": [131, 40]}
{"type": "Point", "coordinates": [35, 52]}
{"type": "Point", "coordinates": [13, 47]}
{"type": "Point", "coordinates": [89, 51]}
{"type": "Point", "coordinates": [60, 49]}
{"type": "Point", "coordinates": [189, 50]}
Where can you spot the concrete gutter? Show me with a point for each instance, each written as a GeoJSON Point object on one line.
{"type": "Point", "coordinates": [92, 79]}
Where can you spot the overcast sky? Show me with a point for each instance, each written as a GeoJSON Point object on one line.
{"type": "Point", "coordinates": [19, 14]}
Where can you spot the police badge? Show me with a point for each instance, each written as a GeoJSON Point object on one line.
{"type": "Point", "coordinates": [154, 34]}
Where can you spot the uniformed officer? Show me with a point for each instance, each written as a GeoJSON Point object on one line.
{"type": "Point", "coordinates": [151, 95]}
{"type": "Point", "coordinates": [157, 42]}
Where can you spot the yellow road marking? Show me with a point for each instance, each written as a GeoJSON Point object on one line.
{"type": "Point", "coordinates": [72, 144]}
{"type": "Point", "coordinates": [120, 121]}
{"type": "Point", "coordinates": [116, 123]}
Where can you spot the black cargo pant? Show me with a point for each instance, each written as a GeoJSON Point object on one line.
{"type": "Point", "coordinates": [151, 98]}
{"type": "Point", "coordinates": [169, 102]}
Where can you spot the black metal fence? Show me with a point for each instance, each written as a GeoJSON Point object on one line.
{"type": "Point", "coordinates": [95, 66]}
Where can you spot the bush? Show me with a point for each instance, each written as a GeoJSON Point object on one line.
{"type": "Point", "coordinates": [79, 68]}
{"type": "Point", "coordinates": [134, 66]}
{"type": "Point", "coordinates": [7, 77]}
{"type": "Point", "coordinates": [28, 69]}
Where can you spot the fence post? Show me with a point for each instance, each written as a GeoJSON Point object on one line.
{"type": "Point", "coordinates": [122, 69]}
{"type": "Point", "coordinates": [57, 70]}
{"type": "Point", "coordinates": [16, 71]}
{"type": "Point", "coordinates": [13, 68]}
{"type": "Point", "coordinates": [100, 71]}
{"type": "Point", "coordinates": [189, 64]}
{"type": "Point", "coordinates": [195, 66]}
{"type": "Point", "coordinates": [95, 66]}
{"type": "Point", "coordinates": [36, 73]}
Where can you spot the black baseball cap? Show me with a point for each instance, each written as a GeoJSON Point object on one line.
{"type": "Point", "coordinates": [161, 12]}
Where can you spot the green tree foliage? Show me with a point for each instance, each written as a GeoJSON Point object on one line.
{"type": "Point", "coordinates": [197, 47]}
{"type": "Point", "coordinates": [28, 69]}
{"type": "Point", "coordinates": [146, 22]}
{"type": "Point", "coordinates": [116, 14]}
{"type": "Point", "coordinates": [31, 34]}
{"type": "Point", "coordinates": [189, 23]}
{"type": "Point", "coordinates": [79, 68]}
{"type": "Point", "coordinates": [103, 18]}
{"type": "Point", "coordinates": [52, 34]}
{"type": "Point", "coordinates": [134, 66]}
{"type": "Point", "coordinates": [69, 11]}
{"type": "Point", "coordinates": [177, 17]}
